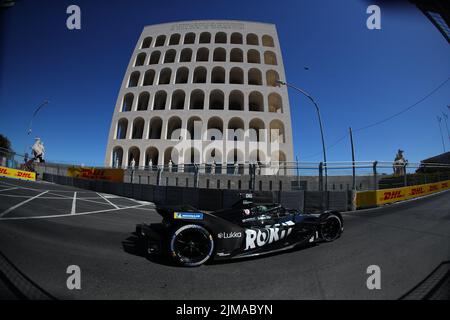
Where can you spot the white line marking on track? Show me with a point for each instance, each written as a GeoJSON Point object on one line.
{"type": "Point", "coordinates": [78, 214]}
{"type": "Point", "coordinates": [21, 204]}
{"type": "Point", "coordinates": [9, 189]}
{"type": "Point", "coordinates": [74, 203]}
{"type": "Point", "coordinates": [115, 206]}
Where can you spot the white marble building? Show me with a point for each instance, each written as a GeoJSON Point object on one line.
{"type": "Point", "coordinates": [214, 76]}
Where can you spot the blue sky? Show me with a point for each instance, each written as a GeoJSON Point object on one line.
{"type": "Point", "coordinates": [358, 76]}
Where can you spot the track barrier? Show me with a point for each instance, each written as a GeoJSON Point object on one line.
{"type": "Point", "coordinates": [368, 199]}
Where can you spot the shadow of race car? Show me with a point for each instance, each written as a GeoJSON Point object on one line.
{"type": "Point", "coordinates": [247, 229]}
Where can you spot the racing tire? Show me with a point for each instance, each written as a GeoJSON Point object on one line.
{"type": "Point", "coordinates": [331, 228]}
{"type": "Point", "coordinates": [191, 245]}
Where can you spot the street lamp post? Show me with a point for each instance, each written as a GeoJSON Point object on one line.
{"type": "Point", "coordinates": [320, 124]}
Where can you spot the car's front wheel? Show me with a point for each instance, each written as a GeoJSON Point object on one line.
{"type": "Point", "coordinates": [331, 228]}
{"type": "Point", "coordinates": [191, 245]}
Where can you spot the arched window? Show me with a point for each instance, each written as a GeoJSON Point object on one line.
{"type": "Point", "coordinates": [267, 41]}
{"type": "Point", "coordinates": [215, 129]}
{"type": "Point", "coordinates": [202, 54]}
{"type": "Point", "coordinates": [174, 129]}
{"type": "Point", "coordinates": [236, 38]}
{"type": "Point", "coordinates": [270, 58]}
{"type": "Point", "coordinates": [221, 37]}
{"type": "Point", "coordinates": [186, 55]}
{"type": "Point", "coordinates": [256, 130]}
{"type": "Point", "coordinates": [192, 155]}
{"type": "Point", "coordinates": [149, 77]}
{"type": "Point", "coordinates": [146, 43]}
{"type": "Point", "coordinates": [138, 128]}
{"type": "Point", "coordinates": [253, 56]}
{"type": "Point", "coordinates": [171, 154]}
{"type": "Point", "coordinates": [254, 77]}
{"type": "Point", "coordinates": [275, 103]}
{"type": "Point", "coordinates": [197, 100]}
{"type": "Point", "coordinates": [143, 100]}
{"type": "Point", "coordinates": [236, 76]}
{"type": "Point", "coordinates": [219, 54]}
{"type": "Point", "coordinates": [205, 37]}
{"type": "Point", "coordinates": [218, 75]}
{"type": "Point", "coordinates": [235, 156]}
{"type": "Point", "coordinates": [151, 154]}
{"type": "Point", "coordinates": [140, 59]}
{"type": "Point", "coordinates": [236, 55]}
{"type": "Point", "coordinates": [255, 102]}
{"type": "Point", "coordinates": [160, 100]}
{"type": "Point", "coordinates": [235, 129]}
{"type": "Point", "coordinates": [278, 156]}
{"type": "Point", "coordinates": [199, 75]}
{"type": "Point", "coordinates": [236, 100]}
{"type": "Point", "coordinates": [277, 131]}
{"type": "Point", "coordinates": [127, 102]}
{"type": "Point", "coordinates": [182, 75]}
{"type": "Point", "coordinates": [178, 98]}
{"type": "Point", "coordinates": [117, 157]}
{"type": "Point", "coordinates": [154, 58]}
{"type": "Point", "coordinates": [160, 41]}
{"type": "Point", "coordinates": [122, 127]}
{"type": "Point", "coordinates": [272, 77]}
{"type": "Point", "coordinates": [174, 39]}
{"type": "Point", "coordinates": [170, 56]}
{"type": "Point", "coordinates": [155, 128]}
{"type": "Point", "coordinates": [194, 128]}
{"type": "Point", "coordinates": [134, 153]}
{"type": "Point", "coordinates": [252, 39]}
{"type": "Point", "coordinates": [216, 100]}
{"type": "Point", "coordinates": [134, 79]}
{"type": "Point", "coordinates": [258, 156]}
{"type": "Point", "coordinates": [164, 76]}
{"type": "Point", "coordinates": [189, 38]}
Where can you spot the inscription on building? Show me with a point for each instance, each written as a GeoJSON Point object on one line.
{"type": "Point", "coordinates": [207, 25]}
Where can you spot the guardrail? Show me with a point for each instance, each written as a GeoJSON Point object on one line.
{"type": "Point", "coordinates": [271, 176]}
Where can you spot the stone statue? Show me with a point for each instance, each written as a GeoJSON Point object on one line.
{"type": "Point", "coordinates": [399, 163]}
{"type": "Point", "coordinates": [38, 150]}
{"type": "Point", "coordinates": [132, 163]}
{"type": "Point", "coordinates": [213, 167]}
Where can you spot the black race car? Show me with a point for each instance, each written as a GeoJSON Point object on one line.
{"type": "Point", "coordinates": [248, 228]}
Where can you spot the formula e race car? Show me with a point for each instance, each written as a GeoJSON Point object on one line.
{"type": "Point", "coordinates": [193, 237]}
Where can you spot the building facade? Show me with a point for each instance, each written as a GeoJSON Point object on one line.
{"type": "Point", "coordinates": [208, 86]}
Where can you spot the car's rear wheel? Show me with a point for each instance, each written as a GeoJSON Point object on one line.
{"type": "Point", "coordinates": [331, 228]}
{"type": "Point", "coordinates": [191, 245]}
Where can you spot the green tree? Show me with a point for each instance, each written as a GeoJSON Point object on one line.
{"type": "Point", "coordinates": [4, 142]}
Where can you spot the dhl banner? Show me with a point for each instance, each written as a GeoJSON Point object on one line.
{"type": "Point", "coordinates": [17, 174]}
{"type": "Point", "coordinates": [367, 199]}
{"type": "Point", "coordinates": [115, 175]}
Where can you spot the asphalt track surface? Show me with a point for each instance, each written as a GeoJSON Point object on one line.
{"type": "Point", "coordinates": [43, 230]}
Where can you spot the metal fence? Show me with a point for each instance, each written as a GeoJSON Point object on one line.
{"type": "Point", "coordinates": [331, 176]}
{"type": "Point", "coordinates": [13, 160]}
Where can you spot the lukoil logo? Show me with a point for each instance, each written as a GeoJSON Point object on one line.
{"type": "Point", "coordinates": [229, 235]}
{"type": "Point", "coordinates": [261, 237]}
